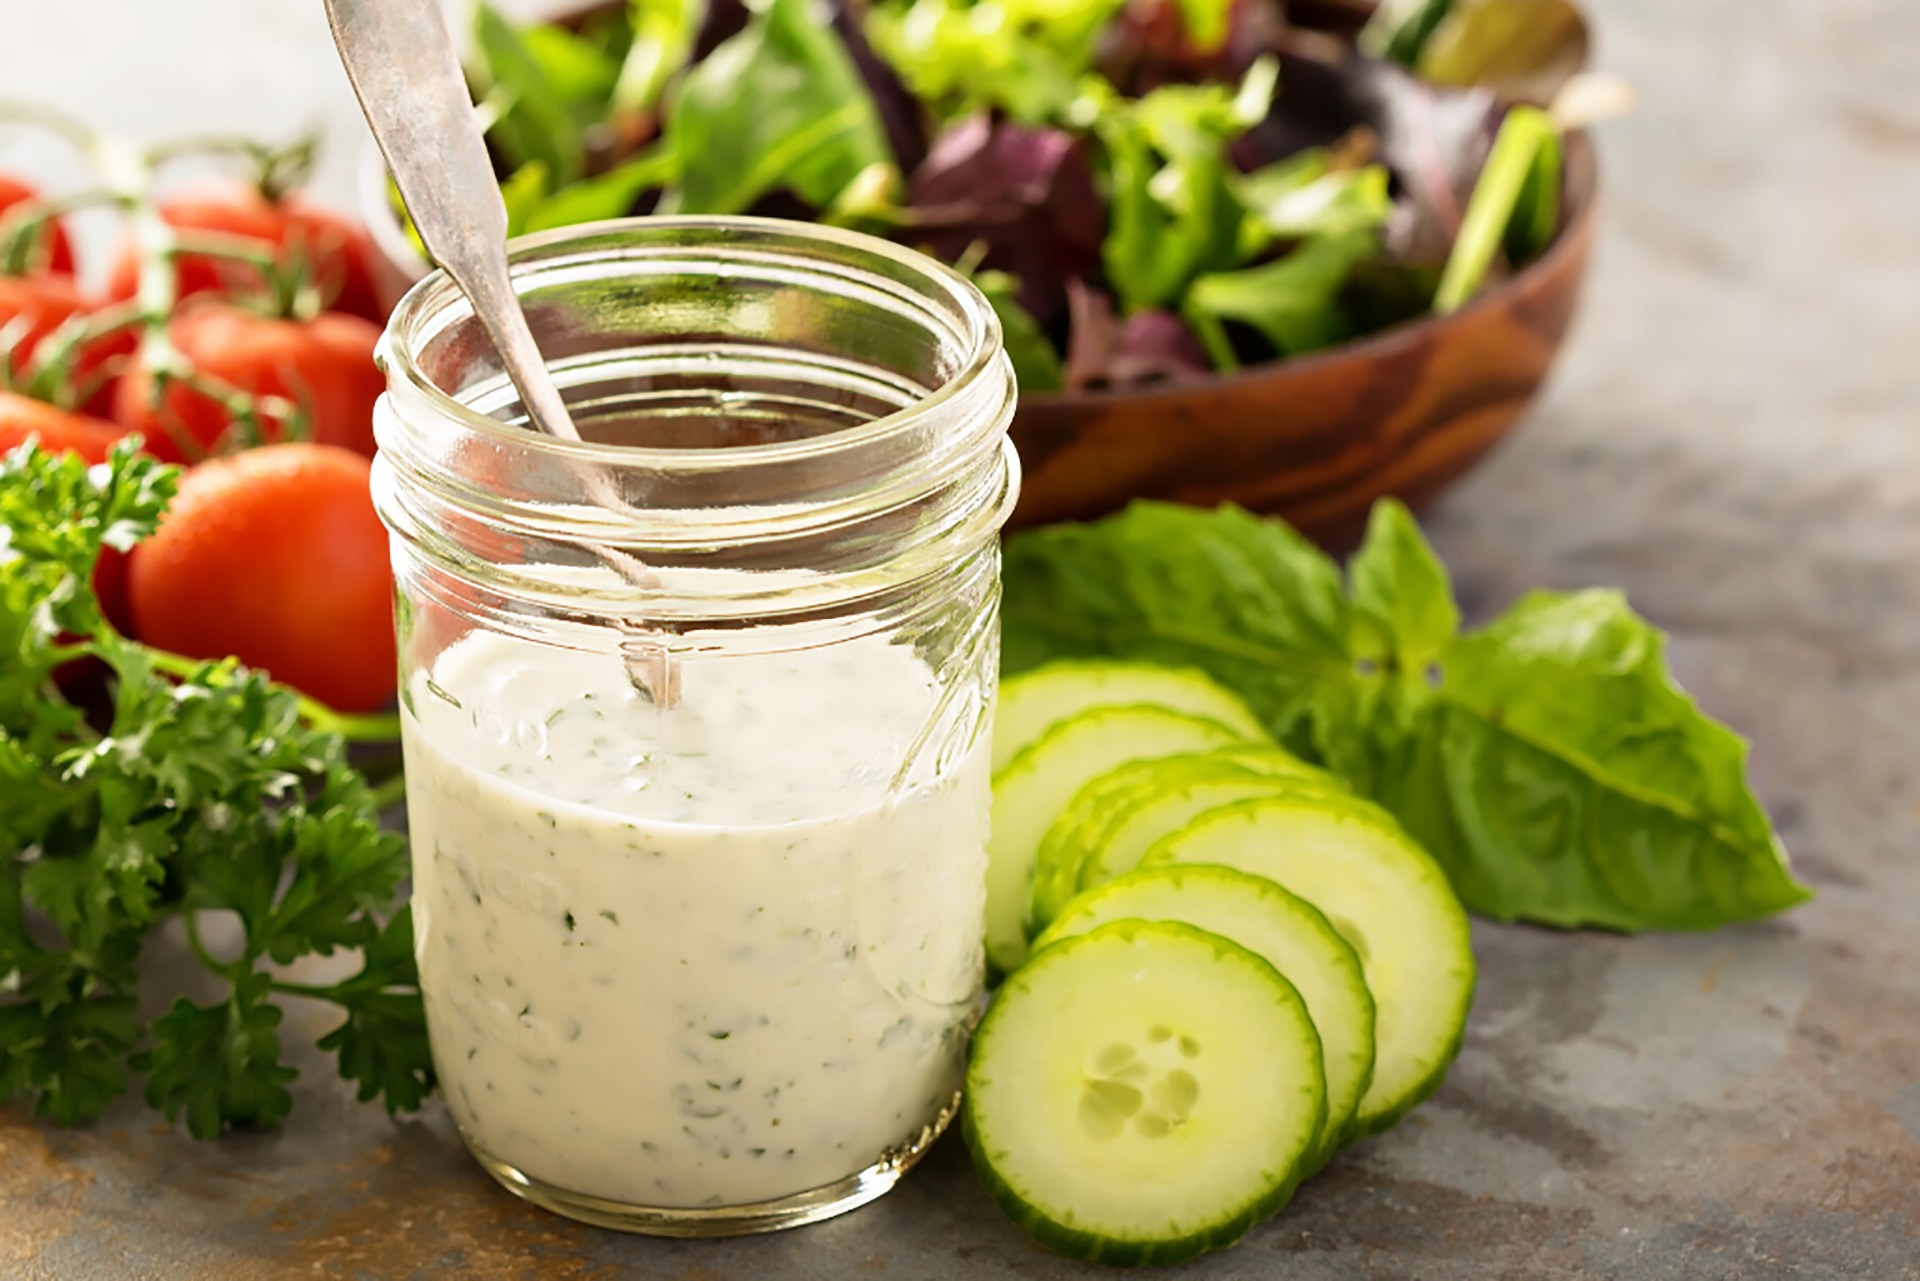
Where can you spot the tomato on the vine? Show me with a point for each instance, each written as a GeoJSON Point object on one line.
{"type": "Point", "coordinates": [275, 555]}
{"type": "Point", "coordinates": [58, 250]}
{"type": "Point", "coordinates": [324, 366]}
{"type": "Point", "coordinates": [335, 249]}
{"type": "Point", "coordinates": [32, 307]}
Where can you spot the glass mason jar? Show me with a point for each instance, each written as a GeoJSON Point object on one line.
{"type": "Point", "coordinates": [696, 712]}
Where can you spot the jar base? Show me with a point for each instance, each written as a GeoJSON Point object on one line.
{"type": "Point", "coordinates": [793, 1211]}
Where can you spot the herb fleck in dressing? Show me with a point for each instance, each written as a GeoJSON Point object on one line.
{"type": "Point", "coordinates": [695, 957]}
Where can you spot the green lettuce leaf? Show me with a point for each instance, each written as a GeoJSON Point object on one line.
{"type": "Point", "coordinates": [1399, 29]}
{"type": "Point", "coordinates": [663, 33]}
{"type": "Point", "coordinates": [1174, 212]}
{"type": "Point", "coordinates": [1026, 58]}
{"type": "Point", "coordinates": [545, 86]}
{"type": "Point", "coordinates": [807, 124]}
{"type": "Point", "coordinates": [607, 195]}
{"type": "Point", "coordinates": [1035, 363]}
{"type": "Point", "coordinates": [1515, 203]}
{"type": "Point", "coordinates": [1305, 195]}
{"type": "Point", "coordinates": [1294, 302]}
{"type": "Point", "coordinates": [1547, 760]}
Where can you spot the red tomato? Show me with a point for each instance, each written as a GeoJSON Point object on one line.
{"type": "Point", "coordinates": [39, 304]}
{"type": "Point", "coordinates": [91, 438]}
{"type": "Point", "coordinates": [58, 430]}
{"type": "Point", "coordinates": [59, 253]}
{"type": "Point", "coordinates": [336, 248]}
{"type": "Point", "coordinates": [324, 365]}
{"type": "Point", "coordinates": [275, 556]}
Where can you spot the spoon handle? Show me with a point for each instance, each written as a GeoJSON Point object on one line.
{"type": "Point", "coordinates": [401, 61]}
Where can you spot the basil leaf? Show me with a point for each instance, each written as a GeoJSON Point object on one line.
{"type": "Point", "coordinates": [1563, 778]}
{"type": "Point", "coordinates": [579, 72]}
{"type": "Point", "coordinates": [1397, 580]}
{"type": "Point", "coordinates": [806, 124]}
{"type": "Point", "coordinates": [1248, 600]}
{"type": "Point", "coordinates": [1547, 760]}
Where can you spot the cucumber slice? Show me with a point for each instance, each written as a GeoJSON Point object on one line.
{"type": "Point", "coordinates": [1078, 832]}
{"type": "Point", "coordinates": [1143, 1093]}
{"type": "Point", "coordinates": [1288, 932]}
{"type": "Point", "coordinates": [1035, 701]}
{"type": "Point", "coordinates": [1387, 898]}
{"type": "Point", "coordinates": [1030, 793]}
{"type": "Point", "coordinates": [1132, 829]}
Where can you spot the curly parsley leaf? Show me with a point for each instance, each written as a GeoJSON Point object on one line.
{"type": "Point", "coordinates": [67, 1049]}
{"type": "Point", "coordinates": [383, 1043]}
{"type": "Point", "coordinates": [1547, 760]}
{"type": "Point", "coordinates": [220, 1064]}
{"type": "Point", "coordinates": [207, 786]}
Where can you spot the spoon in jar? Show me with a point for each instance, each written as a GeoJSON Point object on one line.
{"type": "Point", "coordinates": [401, 62]}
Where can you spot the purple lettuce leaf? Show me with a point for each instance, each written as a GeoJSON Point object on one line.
{"type": "Point", "coordinates": [1106, 352]}
{"type": "Point", "coordinates": [1149, 45]}
{"type": "Point", "coordinates": [1024, 195]}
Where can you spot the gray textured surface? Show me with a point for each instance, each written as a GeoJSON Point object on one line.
{"type": "Point", "coordinates": [1734, 439]}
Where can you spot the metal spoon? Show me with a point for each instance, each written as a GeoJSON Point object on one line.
{"type": "Point", "coordinates": [401, 61]}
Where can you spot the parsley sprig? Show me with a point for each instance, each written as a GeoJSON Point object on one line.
{"type": "Point", "coordinates": [202, 786]}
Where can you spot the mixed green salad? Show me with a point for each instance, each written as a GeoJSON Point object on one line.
{"type": "Point", "coordinates": [1145, 189]}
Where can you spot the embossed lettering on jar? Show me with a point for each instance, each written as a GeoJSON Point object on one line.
{"type": "Point", "coordinates": [696, 713]}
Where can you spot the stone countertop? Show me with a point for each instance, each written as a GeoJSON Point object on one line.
{"type": "Point", "coordinates": [1734, 439]}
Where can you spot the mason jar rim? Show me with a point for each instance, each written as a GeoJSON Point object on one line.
{"type": "Point", "coordinates": [436, 294]}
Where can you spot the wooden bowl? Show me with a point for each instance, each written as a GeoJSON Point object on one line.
{"type": "Point", "coordinates": [1316, 439]}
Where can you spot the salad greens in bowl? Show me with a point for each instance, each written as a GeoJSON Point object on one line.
{"type": "Point", "coordinates": [1162, 199]}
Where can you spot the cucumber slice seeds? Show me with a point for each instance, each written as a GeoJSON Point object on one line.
{"type": "Point", "coordinates": [1143, 1093]}
{"type": "Point", "coordinates": [1289, 933]}
{"type": "Point", "coordinates": [1030, 792]}
{"type": "Point", "coordinates": [1387, 898]}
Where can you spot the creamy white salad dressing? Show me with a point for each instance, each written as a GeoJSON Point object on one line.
{"type": "Point", "coordinates": [695, 957]}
